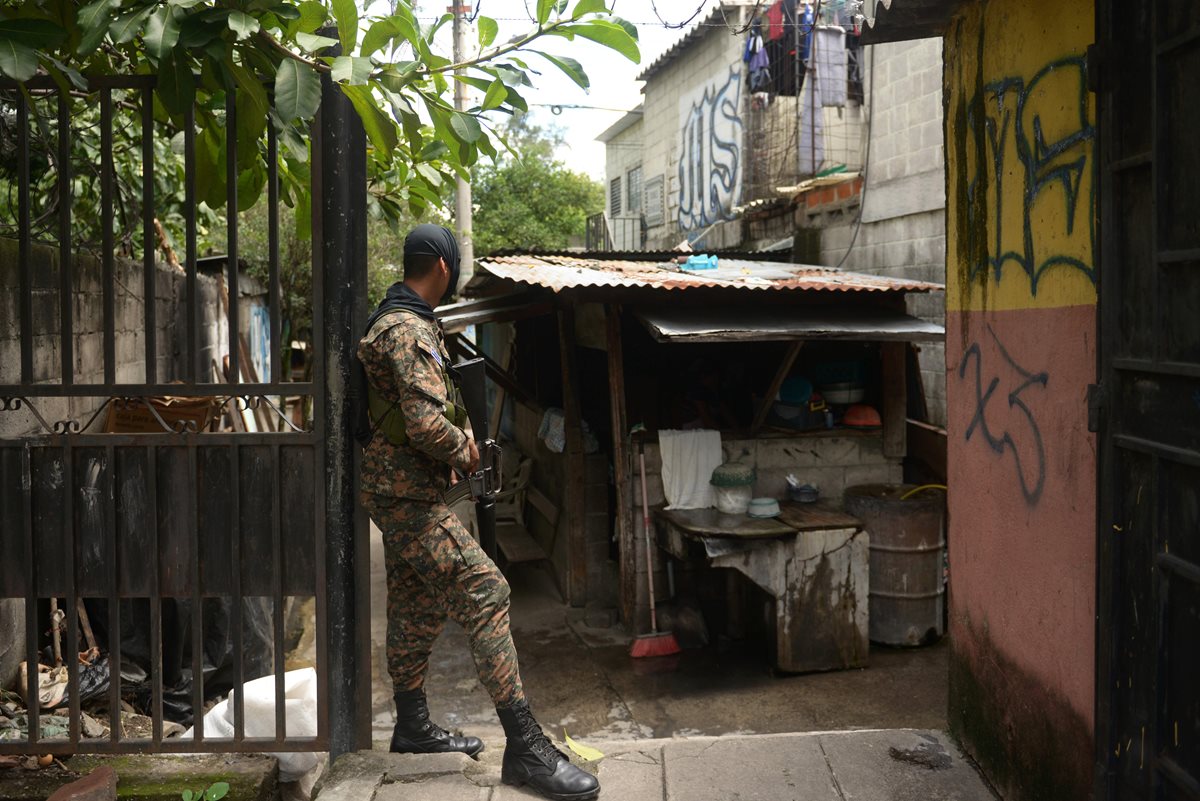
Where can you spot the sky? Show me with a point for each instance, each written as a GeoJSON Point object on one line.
{"type": "Point", "coordinates": [614, 87]}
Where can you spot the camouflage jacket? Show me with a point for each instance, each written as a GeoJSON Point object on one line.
{"type": "Point", "coordinates": [404, 357]}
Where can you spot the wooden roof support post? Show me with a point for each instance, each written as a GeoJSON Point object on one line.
{"type": "Point", "coordinates": [574, 488]}
{"type": "Point", "coordinates": [788, 360]}
{"type": "Point", "coordinates": [895, 399]}
{"type": "Point", "coordinates": [621, 462]}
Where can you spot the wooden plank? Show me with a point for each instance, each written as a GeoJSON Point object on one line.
{"type": "Point", "coordinates": [517, 544]}
{"type": "Point", "coordinates": [788, 360]}
{"type": "Point", "coordinates": [711, 523]}
{"type": "Point", "coordinates": [815, 516]}
{"type": "Point", "coordinates": [895, 399]}
{"type": "Point", "coordinates": [574, 497]}
{"type": "Point", "coordinates": [927, 443]}
{"type": "Point", "coordinates": [627, 547]}
{"type": "Point", "coordinates": [543, 504]}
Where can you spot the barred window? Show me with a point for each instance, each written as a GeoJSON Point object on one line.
{"type": "Point", "coordinates": [633, 190]}
{"type": "Point", "coordinates": [614, 197]}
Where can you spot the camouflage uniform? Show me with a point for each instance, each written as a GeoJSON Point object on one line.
{"type": "Point", "coordinates": [435, 569]}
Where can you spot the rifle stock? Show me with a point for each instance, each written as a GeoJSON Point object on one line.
{"type": "Point", "coordinates": [484, 483]}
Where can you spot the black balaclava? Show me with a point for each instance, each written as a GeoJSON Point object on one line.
{"type": "Point", "coordinates": [426, 239]}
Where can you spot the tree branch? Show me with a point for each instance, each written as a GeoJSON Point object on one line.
{"type": "Point", "coordinates": [273, 43]}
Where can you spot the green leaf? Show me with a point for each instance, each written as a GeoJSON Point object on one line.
{"type": "Point", "coordinates": [162, 33]}
{"type": "Point", "coordinates": [609, 34]}
{"type": "Point", "coordinates": [286, 11]}
{"type": "Point", "coordinates": [210, 166]}
{"type": "Point", "coordinates": [314, 43]}
{"type": "Point", "coordinates": [589, 7]}
{"type": "Point", "coordinates": [544, 8]}
{"type": "Point", "coordinates": [250, 186]}
{"type": "Point", "coordinates": [93, 24]}
{"type": "Point", "coordinates": [39, 33]}
{"type": "Point", "coordinates": [312, 16]}
{"type": "Point", "coordinates": [242, 24]}
{"type": "Point", "coordinates": [297, 90]}
{"type": "Point", "coordinates": [488, 28]}
{"type": "Point", "coordinates": [185, 3]}
{"type": "Point", "coordinates": [253, 109]}
{"type": "Point", "coordinates": [431, 176]}
{"type": "Point", "coordinates": [435, 150]}
{"type": "Point", "coordinates": [572, 68]}
{"type": "Point", "coordinates": [187, 795]}
{"type": "Point", "coordinates": [346, 14]}
{"type": "Point", "coordinates": [516, 101]}
{"type": "Point", "coordinates": [353, 70]}
{"type": "Point", "coordinates": [495, 96]}
{"type": "Point", "coordinates": [385, 31]}
{"type": "Point", "coordinates": [465, 126]}
{"type": "Point", "coordinates": [217, 791]}
{"type": "Point", "coordinates": [125, 27]}
{"type": "Point", "coordinates": [197, 30]}
{"type": "Point", "coordinates": [176, 85]}
{"type": "Point", "coordinates": [77, 80]}
{"type": "Point", "coordinates": [381, 130]}
{"type": "Point", "coordinates": [17, 61]}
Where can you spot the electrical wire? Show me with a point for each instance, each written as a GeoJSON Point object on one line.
{"type": "Point", "coordinates": [685, 23]}
{"type": "Point", "coordinates": [749, 20]}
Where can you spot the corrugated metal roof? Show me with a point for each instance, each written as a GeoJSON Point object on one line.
{"type": "Point", "coordinates": [563, 272]}
{"type": "Point", "coordinates": [759, 324]}
{"type": "Point", "coordinates": [698, 29]}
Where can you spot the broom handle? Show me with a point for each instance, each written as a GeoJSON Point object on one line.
{"type": "Point", "coordinates": [646, 531]}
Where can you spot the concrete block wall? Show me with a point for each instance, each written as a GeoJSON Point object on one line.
{"type": "Point", "coordinates": [831, 462]}
{"type": "Point", "coordinates": [169, 293]}
{"type": "Point", "coordinates": [902, 233]}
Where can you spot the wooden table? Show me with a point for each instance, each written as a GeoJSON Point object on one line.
{"type": "Point", "coordinates": [812, 559]}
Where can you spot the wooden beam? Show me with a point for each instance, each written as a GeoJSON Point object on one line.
{"type": "Point", "coordinates": [895, 399]}
{"type": "Point", "coordinates": [574, 490]}
{"type": "Point", "coordinates": [788, 360]}
{"type": "Point", "coordinates": [621, 463]}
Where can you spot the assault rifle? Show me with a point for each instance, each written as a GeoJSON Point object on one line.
{"type": "Point", "coordinates": [484, 483]}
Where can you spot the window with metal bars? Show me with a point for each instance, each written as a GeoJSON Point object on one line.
{"type": "Point", "coordinates": [614, 196]}
{"type": "Point", "coordinates": [633, 190]}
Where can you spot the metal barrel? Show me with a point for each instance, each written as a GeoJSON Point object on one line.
{"type": "Point", "coordinates": [907, 595]}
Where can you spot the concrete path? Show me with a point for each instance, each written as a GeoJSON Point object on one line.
{"type": "Point", "coordinates": [879, 765]}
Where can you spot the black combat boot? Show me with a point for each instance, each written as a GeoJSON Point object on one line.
{"type": "Point", "coordinates": [415, 733]}
{"type": "Point", "coordinates": [530, 758]}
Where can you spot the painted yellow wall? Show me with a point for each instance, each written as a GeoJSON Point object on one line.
{"type": "Point", "coordinates": [1020, 144]}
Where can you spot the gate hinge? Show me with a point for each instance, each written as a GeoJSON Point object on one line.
{"type": "Point", "coordinates": [1096, 403]}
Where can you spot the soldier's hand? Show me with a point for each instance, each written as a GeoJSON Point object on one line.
{"type": "Point", "coordinates": [473, 450]}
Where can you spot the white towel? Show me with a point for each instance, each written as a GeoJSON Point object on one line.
{"type": "Point", "coordinates": [829, 51]}
{"type": "Point", "coordinates": [688, 461]}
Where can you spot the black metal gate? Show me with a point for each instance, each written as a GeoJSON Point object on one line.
{"type": "Point", "coordinates": [127, 518]}
{"type": "Point", "coordinates": [1148, 636]}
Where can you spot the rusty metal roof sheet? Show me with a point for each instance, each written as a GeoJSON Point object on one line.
{"type": "Point", "coordinates": [563, 272]}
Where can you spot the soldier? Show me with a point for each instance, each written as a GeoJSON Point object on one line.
{"type": "Point", "coordinates": [435, 569]}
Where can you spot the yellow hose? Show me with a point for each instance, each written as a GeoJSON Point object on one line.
{"type": "Point", "coordinates": [921, 488]}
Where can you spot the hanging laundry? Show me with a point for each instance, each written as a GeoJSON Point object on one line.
{"type": "Point", "coordinates": [760, 66]}
{"type": "Point", "coordinates": [775, 21]}
{"type": "Point", "coordinates": [829, 54]}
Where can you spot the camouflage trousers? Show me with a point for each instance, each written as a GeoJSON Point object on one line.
{"type": "Point", "coordinates": [436, 570]}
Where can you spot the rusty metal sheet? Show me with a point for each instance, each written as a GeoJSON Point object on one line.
{"type": "Point", "coordinates": [563, 272]}
{"type": "Point", "coordinates": [757, 324]}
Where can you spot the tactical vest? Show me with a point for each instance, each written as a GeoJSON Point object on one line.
{"type": "Point", "coordinates": [386, 419]}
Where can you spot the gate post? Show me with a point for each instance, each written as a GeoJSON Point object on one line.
{"type": "Point", "coordinates": [339, 236]}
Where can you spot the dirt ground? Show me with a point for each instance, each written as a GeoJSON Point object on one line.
{"type": "Point", "coordinates": [582, 680]}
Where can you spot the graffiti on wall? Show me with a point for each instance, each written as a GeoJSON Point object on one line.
{"type": "Point", "coordinates": [1037, 133]}
{"type": "Point", "coordinates": [710, 153]}
{"type": "Point", "coordinates": [1002, 416]}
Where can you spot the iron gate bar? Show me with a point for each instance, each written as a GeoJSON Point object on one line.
{"type": "Point", "coordinates": [106, 236]}
{"type": "Point", "coordinates": [24, 246]}
{"type": "Point", "coordinates": [197, 598]}
{"type": "Point", "coordinates": [149, 239]}
{"type": "Point", "coordinates": [194, 368]}
{"type": "Point", "coordinates": [65, 263]}
{"type": "Point", "coordinates": [155, 390]}
{"type": "Point", "coordinates": [277, 587]}
{"type": "Point", "coordinates": [235, 555]}
{"type": "Point", "coordinates": [71, 655]}
{"type": "Point", "coordinates": [114, 598]}
{"type": "Point", "coordinates": [273, 288]}
{"type": "Point", "coordinates": [231, 233]}
{"type": "Point", "coordinates": [33, 704]}
{"type": "Point", "coordinates": [156, 659]}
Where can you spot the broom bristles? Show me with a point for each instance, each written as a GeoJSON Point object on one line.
{"type": "Point", "coordinates": [660, 644]}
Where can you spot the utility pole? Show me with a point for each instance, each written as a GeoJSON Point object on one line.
{"type": "Point", "coordinates": [462, 198]}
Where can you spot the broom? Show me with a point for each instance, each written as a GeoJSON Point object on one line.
{"type": "Point", "coordinates": [655, 643]}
